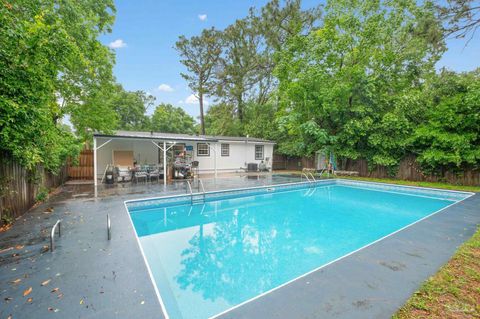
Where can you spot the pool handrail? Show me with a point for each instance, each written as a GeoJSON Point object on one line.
{"type": "Point", "coordinates": [52, 234]}
{"type": "Point", "coordinates": [109, 228]}
{"type": "Point", "coordinates": [306, 176]}
{"type": "Point", "coordinates": [313, 177]}
{"type": "Point", "coordinates": [200, 183]}
{"type": "Point", "coordinates": [191, 191]}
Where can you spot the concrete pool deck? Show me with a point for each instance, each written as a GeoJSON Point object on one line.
{"type": "Point", "coordinates": [96, 280]}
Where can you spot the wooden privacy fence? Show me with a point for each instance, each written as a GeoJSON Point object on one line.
{"type": "Point", "coordinates": [291, 163]}
{"type": "Point", "coordinates": [408, 169]}
{"type": "Point", "coordinates": [83, 169]}
{"type": "Point", "coordinates": [20, 187]}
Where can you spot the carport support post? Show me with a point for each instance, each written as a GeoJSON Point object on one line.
{"type": "Point", "coordinates": [215, 158]}
{"type": "Point", "coordinates": [95, 164]}
{"type": "Point", "coordinates": [164, 163]}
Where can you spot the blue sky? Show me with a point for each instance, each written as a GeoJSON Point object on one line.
{"type": "Point", "coordinates": [145, 32]}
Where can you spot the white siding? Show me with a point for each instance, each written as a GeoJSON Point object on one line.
{"type": "Point", "coordinates": [145, 152]}
{"type": "Point", "coordinates": [241, 153]}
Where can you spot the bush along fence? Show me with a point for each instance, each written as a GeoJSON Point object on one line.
{"type": "Point", "coordinates": [407, 170]}
{"type": "Point", "coordinates": [20, 188]}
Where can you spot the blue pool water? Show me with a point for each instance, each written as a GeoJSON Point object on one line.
{"type": "Point", "coordinates": [208, 257]}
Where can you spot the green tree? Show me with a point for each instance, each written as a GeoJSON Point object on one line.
{"type": "Point", "coordinates": [222, 120]}
{"type": "Point", "coordinates": [461, 17]}
{"type": "Point", "coordinates": [131, 108]}
{"type": "Point", "coordinates": [50, 60]}
{"type": "Point", "coordinates": [169, 119]}
{"type": "Point", "coordinates": [95, 112]}
{"type": "Point", "coordinates": [354, 83]}
{"type": "Point", "coordinates": [260, 121]}
{"type": "Point", "coordinates": [240, 64]}
{"type": "Point", "coordinates": [200, 56]}
{"type": "Point", "coordinates": [450, 136]}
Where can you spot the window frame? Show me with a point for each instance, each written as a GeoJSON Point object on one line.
{"type": "Point", "coordinates": [198, 149]}
{"type": "Point", "coordinates": [222, 145]}
{"type": "Point", "coordinates": [263, 152]}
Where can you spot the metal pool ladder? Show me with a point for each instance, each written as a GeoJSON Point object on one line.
{"type": "Point", "coordinates": [307, 178]}
{"type": "Point", "coordinates": [52, 234]}
{"type": "Point", "coordinates": [191, 191]}
{"type": "Point", "coordinates": [200, 184]}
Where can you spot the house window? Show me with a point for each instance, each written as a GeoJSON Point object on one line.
{"type": "Point", "coordinates": [259, 152]}
{"type": "Point", "coordinates": [203, 149]}
{"type": "Point", "coordinates": [225, 148]}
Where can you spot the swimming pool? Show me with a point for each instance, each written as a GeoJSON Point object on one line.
{"type": "Point", "coordinates": [231, 246]}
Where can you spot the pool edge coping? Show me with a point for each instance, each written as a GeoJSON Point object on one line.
{"type": "Point", "coordinates": [163, 307]}
{"type": "Point", "coordinates": [150, 274]}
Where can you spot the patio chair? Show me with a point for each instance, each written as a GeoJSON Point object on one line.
{"type": "Point", "coordinates": [140, 174]}
{"type": "Point", "coordinates": [123, 174]}
{"type": "Point", "coordinates": [154, 173]}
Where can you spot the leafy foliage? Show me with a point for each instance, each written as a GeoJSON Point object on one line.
{"type": "Point", "coordinates": [351, 85]}
{"type": "Point", "coordinates": [200, 56]}
{"type": "Point", "coordinates": [131, 108]}
{"type": "Point", "coordinates": [462, 17]}
{"type": "Point", "coordinates": [169, 119]}
{"type": "Point", "coordinates": [450, 137]}
{"type": "Point", "coordinates": [49, 57]}
{"type": "Point", "coordinates": [221, 120]}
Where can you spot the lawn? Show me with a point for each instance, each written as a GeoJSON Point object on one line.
{"type": "Point", "coordinates": [401, 182]}
{"type": "Point", "coordinates": [454, 292]}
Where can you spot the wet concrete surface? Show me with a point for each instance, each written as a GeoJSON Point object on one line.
{"type": "Point", "coordinates": [376, 281]}
{"type": "Point", "coordinates": [91, 277]}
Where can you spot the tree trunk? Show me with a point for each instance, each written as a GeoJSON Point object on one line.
{"type": "Point", "coordinates": [202, 120]}
{"type": "Point", "coordinates": [240, 108]}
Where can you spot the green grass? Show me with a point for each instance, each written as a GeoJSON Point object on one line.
{"type": "Point", "coordinates": [400, 182]}
{"type": "Point", "coordinates": [453, 292]}
{"type": "Point", "coordinates": [412, 183]}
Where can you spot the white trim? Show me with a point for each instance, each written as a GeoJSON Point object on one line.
{"type": "Point", "coordinates": [97, 148]}
{"type": "Point", "coordinates": [398, 193]}
{"type": "Point", "coordinates": [333, 261]}
{"type": "Point", "coordinates": [470, 194]}
{"type": "Point", "coordinates": [95, 181]}
{"type": "Point", "coordinates": [400, 185]}
{"type": "Point", "coordinates": [159, 297]}
{"type": "Point", "coordinates": [183, 139]}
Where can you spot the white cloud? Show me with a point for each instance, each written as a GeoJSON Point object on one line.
{"type": "Point", "coordinates": [202, 17]}
{"type": "Point", "coordinates": [165, 88]}
{"type": "Point", "coordinates": [192, 99]}
{"type": "Point", "coordinates": [117, 44]}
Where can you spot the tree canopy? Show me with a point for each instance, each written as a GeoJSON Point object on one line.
{"type": "Point", "coordinates": [50, 61]}
{"type": "Point", "coordinates": [355, 77]}
{"type": "Point", "coordinates": [170, 119]}
{"type": "Point", "coordinates": [200, 55]}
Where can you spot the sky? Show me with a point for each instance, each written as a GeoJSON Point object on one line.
{"type": "Point", "coordinates": [145, 32]}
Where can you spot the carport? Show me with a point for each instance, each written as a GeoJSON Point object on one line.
{"type": "Point", "coordinates": [133, 145]}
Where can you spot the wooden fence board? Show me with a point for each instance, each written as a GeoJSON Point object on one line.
{"type": "Point", "coordinates": [83, 168]}
{"type": "Point", "coordinates": [408, 170]}
{"type": "Point", "coordinates": [19, 187]}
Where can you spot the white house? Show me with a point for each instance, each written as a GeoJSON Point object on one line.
{"type": "Point", "coordinates": [213, 153]}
